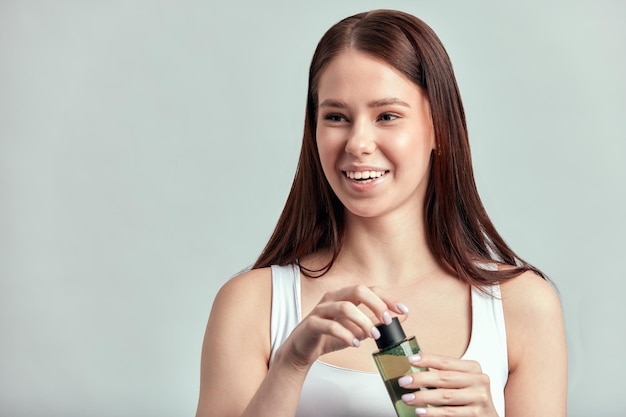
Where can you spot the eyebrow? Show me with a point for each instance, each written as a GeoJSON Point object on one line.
{"type": "Point", "coordinates": [372, 104]}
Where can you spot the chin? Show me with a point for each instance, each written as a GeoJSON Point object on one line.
{"type": "Point", "coordinates": [364, 212]}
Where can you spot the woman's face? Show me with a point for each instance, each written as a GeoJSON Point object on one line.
{"type": "Point", "coordinates": [374, 135]}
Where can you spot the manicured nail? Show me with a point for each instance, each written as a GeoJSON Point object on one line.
{"type": "Point", "coordinates": [386, 317]}
{"type": "Point", "coordinates": [356, 342]}
{"type": "Point", "coordinates": [405, 380]}
{"type": "Point", "coordinates": [375, 333]}
{"type": "Point", "coordinates": [403, 308]}
{"type": "Point", "coordinates": [415, 358]}
{"type": "Point", "coordinates": [407, 398]}
{"type": "Point", "coordinates": [420, 411]}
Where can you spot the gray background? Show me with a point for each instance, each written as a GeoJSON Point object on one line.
{"type": "Point", "coordinates": [147, 148]}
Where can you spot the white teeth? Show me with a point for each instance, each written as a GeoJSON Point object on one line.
{"type": "Point", "coordinates": [364, 175]}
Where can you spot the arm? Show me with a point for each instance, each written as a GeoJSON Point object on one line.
{"type": "Point", "coordinates": [235, 378]}
{"type": "Point", "coordinates": [537, 382]}
{"type": "Point", "coordinates": [236, 345]}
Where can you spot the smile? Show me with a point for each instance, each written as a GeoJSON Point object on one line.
{"type": "Point", "coordinates": [364, 175]}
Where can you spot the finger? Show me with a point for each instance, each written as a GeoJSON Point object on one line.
{"type": "Point", "coordinates": [443, 379]}
{"type": "Point", "coordinates": [393, 303]}
{"type": "Point", "coordinates": [444, 363]}
{"type": "Point", "coordinates": [439, 397]}
{"type": "Point", "coordinates": [373, 298]}
{"type": "Point", "coordinates": [348, 314]}
{"type": "Point", "coordinates": [363, 295]}
{"type": "Point", "coordinates": [332, 328]}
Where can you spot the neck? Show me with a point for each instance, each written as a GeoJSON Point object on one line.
{"type": "Point", "coordinates": [387, 250]}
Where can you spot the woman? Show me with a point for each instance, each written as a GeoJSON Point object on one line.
{"type": "Point", "coordinates": [384, 219]}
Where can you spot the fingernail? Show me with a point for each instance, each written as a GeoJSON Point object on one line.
{"type": "Point", "coordinates": [420, 411]}
{"type": "Point", "coordinates": [405, 380]}
{"type": "Point", "coordinates": [415, 358]}
{"type": "Point", "coordinates": [403, 308]}
{"type": "Point", "coordinates": [408, 397]}
{"type": "Point", "coordinates": [356, 342]}
{"type": "Point", "coordinates": [375, 333]}
{"type": "Point", "coordinates": [386, 317]}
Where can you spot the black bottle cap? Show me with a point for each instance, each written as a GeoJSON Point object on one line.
{"type": "Point", "coordinates": [390, 334]}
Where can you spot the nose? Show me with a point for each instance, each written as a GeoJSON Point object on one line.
{"type": "Point", "coordinates": [361, 140]}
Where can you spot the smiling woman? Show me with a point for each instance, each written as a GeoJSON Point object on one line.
{"type": "Point", "coordinates": [384, 220]}
{"type": "Point", "coordinates": [385, 129]}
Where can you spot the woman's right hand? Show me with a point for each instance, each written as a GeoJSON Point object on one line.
{"type": "Point", "coordinates": [337, 322]}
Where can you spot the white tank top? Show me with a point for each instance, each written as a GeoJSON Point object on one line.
{"type": "Point", "coordinates": [331, 391]}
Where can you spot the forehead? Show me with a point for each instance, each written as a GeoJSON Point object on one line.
{"type": "Point", "coordinates": [357, 74]}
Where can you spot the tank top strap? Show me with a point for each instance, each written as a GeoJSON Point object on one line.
{"type": "Point", "coordinates": [286, 311]}
{"type": "Point", "coordinates": [488, 344]}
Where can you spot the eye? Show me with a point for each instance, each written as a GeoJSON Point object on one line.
{"type": "Point", "coordinates": [387, 117]}
{"type": "Point", "coordinates": [335, 117]}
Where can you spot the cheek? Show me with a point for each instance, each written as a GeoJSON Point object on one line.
{"type": "Point", "coordinates": [328, 147]}
{"type": "Point", "coordinates": [399, 147]}
{"type": "Point", "coordinates": [409, 152]}
{"type": "Point", "coordinates": [325, 159]}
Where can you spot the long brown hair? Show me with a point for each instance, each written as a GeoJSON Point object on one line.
{"type": "Point", "coordinates": [459, 231]}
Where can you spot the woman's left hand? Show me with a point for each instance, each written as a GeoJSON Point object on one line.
{"type": "Point", "coordinates": [459, 384]}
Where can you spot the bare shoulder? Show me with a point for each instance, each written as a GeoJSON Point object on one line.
{"type": "Point", "coordinates": [241, 310]}
{"type": "Point", "coordinates": [528, 297]}
{"type": "Point", "coordinates": [533, 317]}
{"type": "Point", "coordinates": [537, 349]}
{"type": "Point", "coordinates": [245, 298]}
{"type": "Point", "coordinates": [240, 316]}
{"type": "Point", "coordinates": [248, 288]}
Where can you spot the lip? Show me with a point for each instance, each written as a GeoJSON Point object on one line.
{"type": "Point", "coordinates": [363, 185]}
{"type": "Point", "coordinates": [362, 168]}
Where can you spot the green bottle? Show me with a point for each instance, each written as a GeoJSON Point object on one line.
{"type": "Point", "coordinates": [393, 363]}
